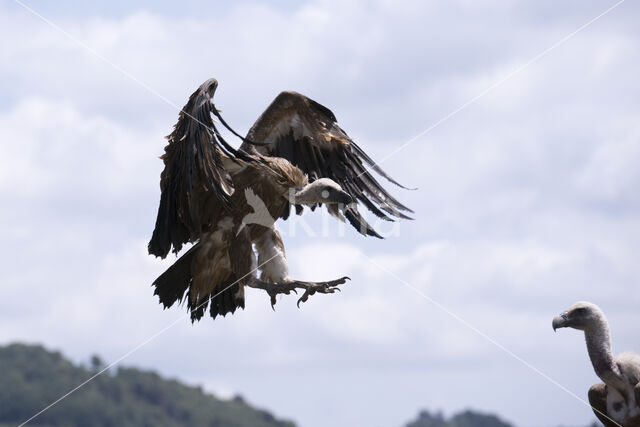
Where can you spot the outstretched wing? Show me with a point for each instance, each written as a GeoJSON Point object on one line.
{"type": "Point", "coordinates": [307, 134]}
{"type": "Point", "coordinates": [195, 187]}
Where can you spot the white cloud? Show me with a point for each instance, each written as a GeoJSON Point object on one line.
{"type": "Point", "coordinates": [54, 148]}
{"type": "Point", "coordinates": [611, 175]}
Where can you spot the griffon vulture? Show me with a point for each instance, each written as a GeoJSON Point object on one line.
{"type": "Point", "coordinates": [615, 402]}
{"type": "Point", "coordinates": [226, 200]}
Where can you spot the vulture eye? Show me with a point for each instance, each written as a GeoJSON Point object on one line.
{"type": "Point", "coordinates": [580, 310]}
{"type": "Point", "coordinates": [325, 194]}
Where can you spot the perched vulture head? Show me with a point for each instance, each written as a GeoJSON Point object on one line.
{"type": "Point", "coordinates": [581, 315]}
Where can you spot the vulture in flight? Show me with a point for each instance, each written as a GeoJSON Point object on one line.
{"type": "Point", "coordinates": [616, 400]}
{"type": "Point", "coordinates": [225, 200]}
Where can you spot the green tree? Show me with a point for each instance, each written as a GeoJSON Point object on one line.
{"type": "Point", "coordinates": [32, 377]}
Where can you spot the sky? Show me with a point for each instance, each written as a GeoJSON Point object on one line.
{"type": "Point", "coordinates": [518, 122]}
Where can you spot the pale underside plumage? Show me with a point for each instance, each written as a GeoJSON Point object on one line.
{"type": "Point", "coordinates": [620, 403]}
{"type": "Point", "coordinates": [225, 201]}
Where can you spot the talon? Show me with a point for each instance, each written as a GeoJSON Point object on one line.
{"type": "Point", "coordinates": [305, 297]}
{"type": "Point", "coordinates": [310, 288]}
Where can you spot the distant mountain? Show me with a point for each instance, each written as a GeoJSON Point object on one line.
{"type": "Point", "coordinates": [32, 377]}
{"type": "Point", "coordinates": [462, 419]}
{"type": "Point", "coordinates": [466, 418]}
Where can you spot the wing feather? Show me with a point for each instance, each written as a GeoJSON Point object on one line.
{"type": "Point", "coordinates": [306, 133]}
{"type": "Point", "coordinates": [195, 186]}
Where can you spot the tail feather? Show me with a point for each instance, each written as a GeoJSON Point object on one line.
{"type": "Point", "coordinates": [174, 285]}
{"type": "Point", "coordinates": [174, 282]}
{"type": "Point", "coordinates": [228, 299]}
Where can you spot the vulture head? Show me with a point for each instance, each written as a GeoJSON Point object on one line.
{"type": "Point", "coordinates": [581, 315]}
{"type": "Point", "coordinates": [323, 190]}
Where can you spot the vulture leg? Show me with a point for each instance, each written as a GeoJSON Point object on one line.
{"type": "Point", "coordinates": [272, 259]}
{"type": "Point", "coordinates": [274, 277]}
{"type": "Point", "coordinates": [598, 402]}
{"type": "Point", "coordinates": [309, 288]}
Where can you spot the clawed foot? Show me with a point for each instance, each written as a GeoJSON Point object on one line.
{"type": "Point", "coordinates": [310, 288]}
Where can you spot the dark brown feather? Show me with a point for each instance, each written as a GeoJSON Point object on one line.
{"type": "Point", "coordinates": [195, 188]}
{"type": "Point", "coordinates": [306, 133]}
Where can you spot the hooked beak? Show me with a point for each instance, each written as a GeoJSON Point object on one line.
{"type": "Point", "coordinates": [344, 198]}
{"type": "Point", "coordinates": [560, 321]}
{"type": "Point", "coordinates": [336, 197]}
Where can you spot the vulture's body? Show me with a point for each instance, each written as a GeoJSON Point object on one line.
{"type": "Point", "coordinates": [616, 400]}
{"type": "Point", "coordinates": [226, 201]}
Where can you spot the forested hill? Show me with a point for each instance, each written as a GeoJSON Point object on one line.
{"type": "Point", "coordinates": [463, 419]}
{"type": "Point", "coordinates": [32, 377]}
